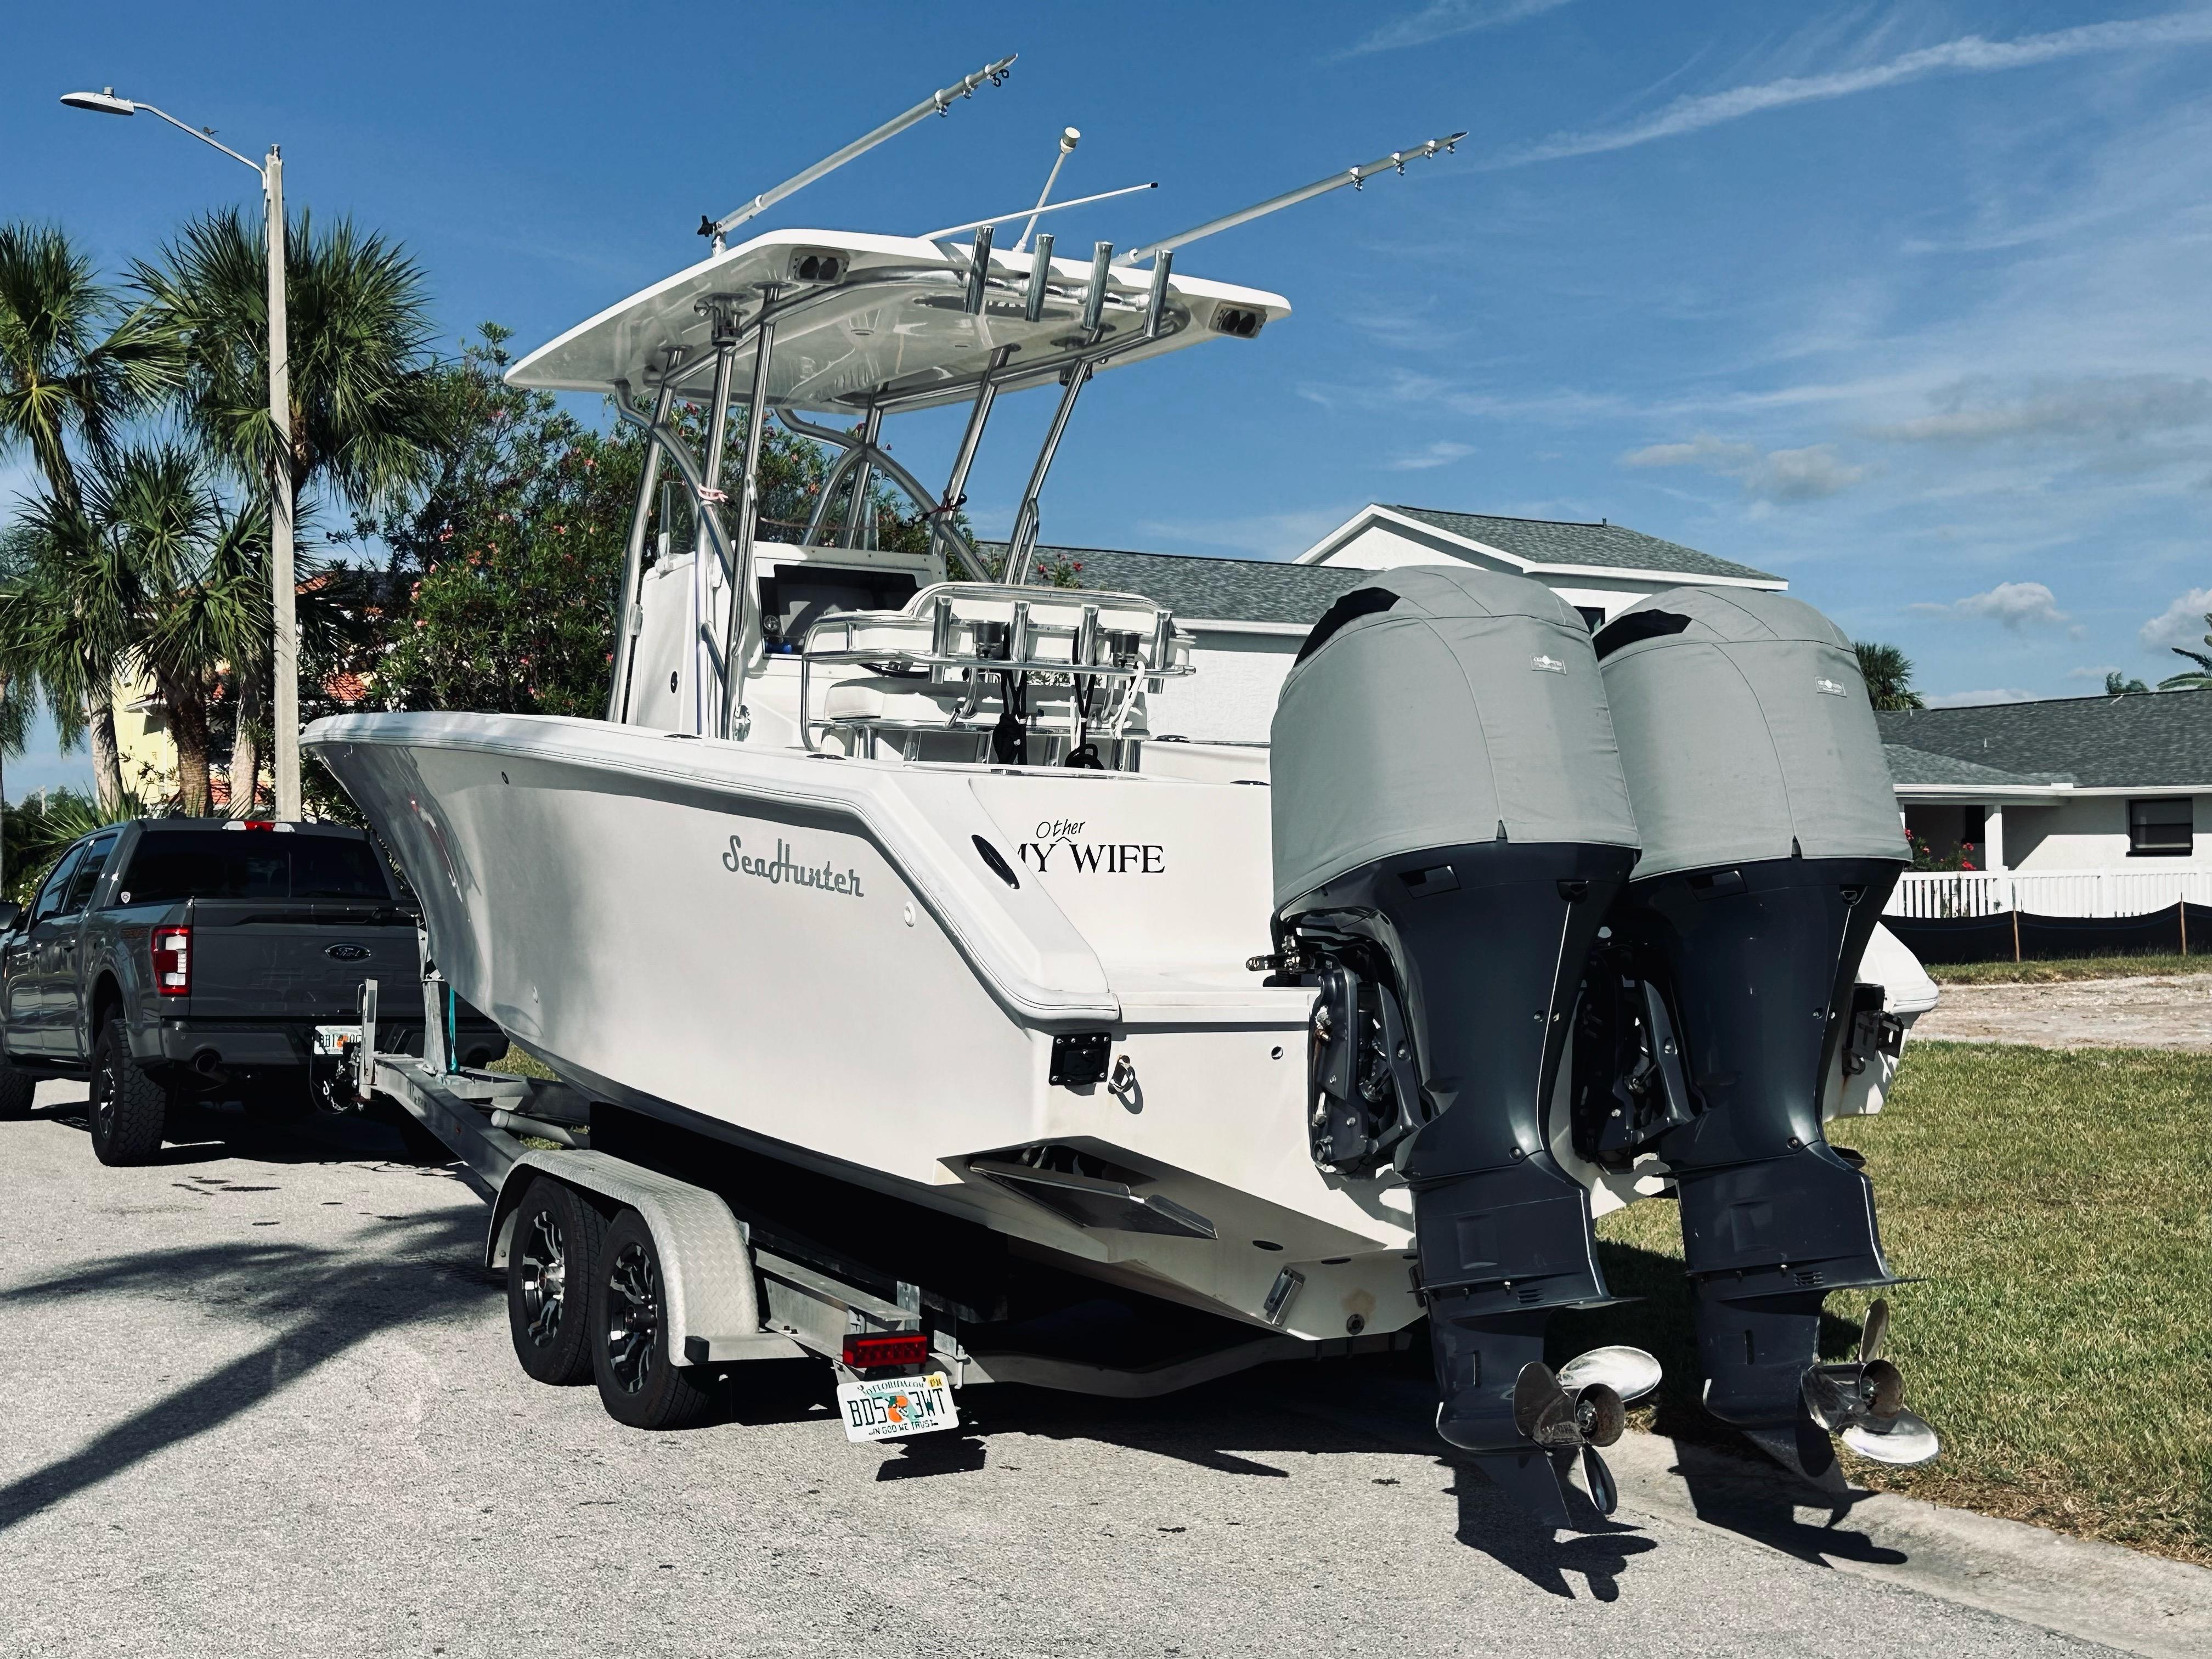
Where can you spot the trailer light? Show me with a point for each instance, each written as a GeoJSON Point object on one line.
{"type": "Point", "coordinates": [865, 1353]}
{"type": "Point", "coordinates": [173, 961]}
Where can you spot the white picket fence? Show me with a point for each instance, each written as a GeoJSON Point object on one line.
{"type": "Point", "coordinates": [1939, 893]}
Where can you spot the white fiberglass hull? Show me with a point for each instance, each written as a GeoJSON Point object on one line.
{"type": "Point", "coordinates": [814, 956]}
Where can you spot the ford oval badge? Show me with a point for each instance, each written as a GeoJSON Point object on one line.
{"type": "Point", "coordinates": [347, 951]}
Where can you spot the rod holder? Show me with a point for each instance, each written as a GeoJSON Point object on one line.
{"type": "Point", "coordinates": [1156, 302]}
{"type": "Point", "coordinates": [979, 272]}
{"type": "Point", "coordinates": [1040, 278]}
{"type": "Point", "coordinates": [1094, 296]}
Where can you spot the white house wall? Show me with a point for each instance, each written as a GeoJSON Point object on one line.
{"type": "Point", "coordinates": [1232, 696]}
{"type": "Point", "coordinates": [2092, 833]}
{"type": "Point", "coordinates": [1386, 547]}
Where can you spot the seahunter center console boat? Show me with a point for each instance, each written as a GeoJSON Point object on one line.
{"type": "Point", "coordinates": [875, 906]}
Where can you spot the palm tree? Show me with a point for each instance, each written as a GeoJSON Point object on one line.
{"type": "Point", "coordinates": [1888, 674]}
{"type": "Point", "coordinates": [2197, 678]}
{"type": "Point", "coordinates": [73, 367]}
{"type": "Point", "coordinates": [2118, 684]}
{"type": "Point", "coordinates": [367, 419]}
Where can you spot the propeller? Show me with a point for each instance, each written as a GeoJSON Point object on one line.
{"type": "Point", "coordinates": [1862, 1402]}
{"type": "Point", "coordinates": [1556, 1421]}
{"type": "Point", "coordinates": [1629, 1372]}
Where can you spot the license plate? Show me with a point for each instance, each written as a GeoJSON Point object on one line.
{"type": "Point", "coordinates": [897, 1407]}
{"type": "Point", "coordinates": [336, 1039]}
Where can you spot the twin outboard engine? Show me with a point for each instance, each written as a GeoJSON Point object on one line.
{"type": "Point", "coordinates": [1609, 894]}
{"type": "Point", "coordinates": [1451, 828]}
{"type": "Point", "coordinates": [1715, 1007]}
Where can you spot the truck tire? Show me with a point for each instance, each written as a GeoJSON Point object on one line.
{"type": "Point", "coordinates": [552, 1259]}
{"type": "Point", "coordinates": [128, 1106]}
{"type": "Point", "coordinates": [16, 1089]}
{"type": "Point", "coordinates": [639, 1384]}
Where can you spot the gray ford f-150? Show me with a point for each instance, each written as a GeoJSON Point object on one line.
{"type": "Point", "coordinates": [170, 960]}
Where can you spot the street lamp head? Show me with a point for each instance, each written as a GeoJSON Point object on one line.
{"type": "Point", "coordinates": [104, 101]}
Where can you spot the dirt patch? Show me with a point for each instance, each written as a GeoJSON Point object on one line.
{"type": "Point", "coordinates": [2150, 1012]}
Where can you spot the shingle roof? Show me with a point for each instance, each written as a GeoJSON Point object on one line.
{"type": "Point", "coordinates": [2157, 740]}
{"type": "Point", "coordinates": [1208, 589]}
{"type": "Point", "coordinates": [1921, 766]}
{"type": "Point", "coordinates": [1607, 546]}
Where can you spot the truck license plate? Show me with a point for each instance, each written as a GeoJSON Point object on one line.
{"type": "Point", "coordinates": [336, 1039]}
{"type": "Point", "coordinates": [895, 1407]}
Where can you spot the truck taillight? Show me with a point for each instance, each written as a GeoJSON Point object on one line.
{"type": "Point", "coordinates": [173, 961]}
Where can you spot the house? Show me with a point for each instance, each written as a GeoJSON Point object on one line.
{"type": "Point", "coordinates": [1248, 617]}
{"type": "Point", "coordinates": [2073, 785]}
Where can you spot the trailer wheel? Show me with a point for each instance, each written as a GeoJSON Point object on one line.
{"type": "Point", "coordinates": [128, 1106]}
{"type": "Point", "coordinates": [17, 1090]}
{"type": "Point", "coordinates": [552, 1261]}
{"type": "Point", "coordinates": [638, 1384]}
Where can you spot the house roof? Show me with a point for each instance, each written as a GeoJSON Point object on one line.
{"type": "Point", "coordinates": [1564, 543]}
{"type": "Point", "coordinates": [1909, 766]}
{"type": "Point", "coordinates": [2156, 740]}
{"type": "Point", "coordinates": [1209, 589]}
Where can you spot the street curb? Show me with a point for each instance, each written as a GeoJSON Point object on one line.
{"type": "Point", "coordinates": [2141, 1604]}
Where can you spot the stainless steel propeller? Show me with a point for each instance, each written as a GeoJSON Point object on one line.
{"type": "Point", "coordinates": [1862, 1401]}
{"type": "Point", "coordinates": [1557, 1421]}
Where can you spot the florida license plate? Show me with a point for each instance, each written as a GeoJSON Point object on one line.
{"type": "Point", "coordinates": [895, 1407]}
{"type": "Point", "coordinates": [336, 1039]}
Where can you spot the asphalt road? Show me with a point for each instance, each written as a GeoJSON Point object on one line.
{"type": "Point", "coordinates": [259, 1399]}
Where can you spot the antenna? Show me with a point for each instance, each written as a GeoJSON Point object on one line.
{"type": "Point", "coordinates": [1069, 138]}
{"type": "Point", "coordinates": [938, 103]}
{"type": "Point", "coordinates": [1033, 213]}
{"type": "Point", "coordinates": [1356, 177]}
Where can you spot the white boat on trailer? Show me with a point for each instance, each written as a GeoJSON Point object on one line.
{"type": "Point", "coordinates": [916, 993]}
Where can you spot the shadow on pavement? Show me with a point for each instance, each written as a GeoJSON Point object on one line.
{"type": "Point", "coordinates": [199, 1134]}
{"type": "Point", "coordinates": [323, 1302]}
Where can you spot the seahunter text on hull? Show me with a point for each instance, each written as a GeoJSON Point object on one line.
{"type": "Point", "coordinates": [1110, 1070]}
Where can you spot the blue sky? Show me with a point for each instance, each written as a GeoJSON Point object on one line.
{"type": "Point", "coordinates": [1906, 302]}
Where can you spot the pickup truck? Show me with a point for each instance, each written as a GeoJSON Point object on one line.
{"type": "Point", "coordinates": [170, 961]}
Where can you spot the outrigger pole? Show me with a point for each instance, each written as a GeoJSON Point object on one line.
{"type": "Point", "coordinates": [1356, 177]}
{"type": "Point", "coordinates": [938, 103]}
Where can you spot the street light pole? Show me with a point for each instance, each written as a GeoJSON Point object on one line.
{"type": "Point", "coordinates": [283, 592]}
{"type": "Point", "coordinates": [284, 653]}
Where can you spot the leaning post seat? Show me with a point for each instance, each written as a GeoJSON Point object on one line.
{"type": "Point", "coordinates": [1450, 826]}
{"type": "Point", "coordinates": [1770, 844]}
{"type": "Point", "coordinates": [978, 670]}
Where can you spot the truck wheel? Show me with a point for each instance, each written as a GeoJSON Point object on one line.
{"type": "Point", "coordinates": [128, 1106]}
{"type": "Point", "coordinates": [551, 1261]}
{"type": "Point", "coordinates": [638, 1384]}
{"type": "Point", "coordinates": [16, 1089]}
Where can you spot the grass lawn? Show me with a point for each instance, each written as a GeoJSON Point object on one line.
{"type": "Point", "coordinates": [2073, 968]}
{"type": "Point", "coordinates": [2060, 1207]}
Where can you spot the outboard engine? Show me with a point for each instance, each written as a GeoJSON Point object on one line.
{"type": "Point", "coordinates": [1713, 1012]}
{"type": "Point", "coordinates": [1451, 826]}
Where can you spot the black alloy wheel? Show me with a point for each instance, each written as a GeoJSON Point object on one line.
{"type": "Point", "coordinates": [640, 1383]}
{"type": "Point", "coordinates": [128, 1106]}
{"type": "Point", "coordinates": [550, 1258]}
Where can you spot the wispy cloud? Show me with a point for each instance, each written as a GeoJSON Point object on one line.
{"type": "Point", "coordinates": [1263, 535]}
{"type": "Point", "coordinates": [1440, 20]}
{"type": "Point", "coordinates": [1780, 475]}
{"type": "Point", "coordinates": [1967, 699]}
{"type": "Point", "coordinates": [2015, 604]}
{"type": "Point", "coordinates": [2117, 408]}
{"type": "Point", "coordinates": [2182, 623]}
{"type": "Point", "coordinates": [1443, 452]}
{"type": "Point", "coordinates": [1972, 54]}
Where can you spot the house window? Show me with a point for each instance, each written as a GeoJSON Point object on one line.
{"type": "Point", "coordinates": [2160, 828]}
{"type": "Point", "coordinates": [1593, 616]}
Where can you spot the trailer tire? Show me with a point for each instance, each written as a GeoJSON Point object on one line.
{"type": "Point", "coordinates": [639, 1384]}
{"type": "Point", "coordinates": [128, 1106]}
{"type": "Point", "coordinates": [552, 1261]}
{"type": "Point", "coordinates": [17, 1090]}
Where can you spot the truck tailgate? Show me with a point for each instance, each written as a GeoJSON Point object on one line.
{"type": "Point", "coordinates": [264, 959]}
